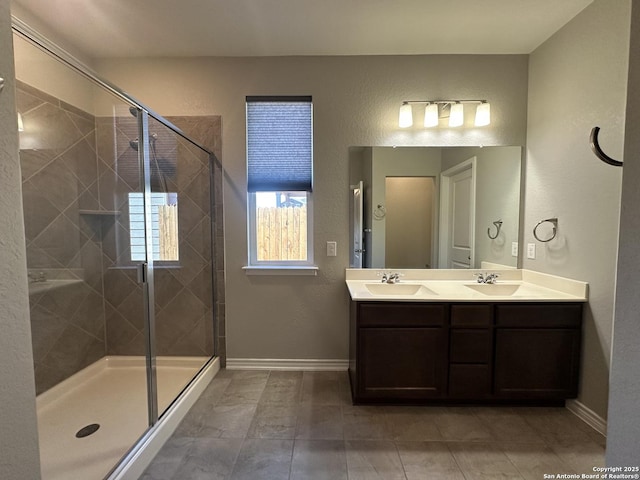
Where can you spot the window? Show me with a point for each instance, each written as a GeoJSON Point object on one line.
{"type": "Point", "coordinates": [164, 226]}
{"type": "Point", "coordinates": [279, 176]}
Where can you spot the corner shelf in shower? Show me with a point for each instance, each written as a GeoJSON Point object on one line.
{"type": "Point", "coordinates": [100, 213]}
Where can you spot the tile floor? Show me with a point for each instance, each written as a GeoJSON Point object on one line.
{"type": "Point", "coordinates": [264, 425]}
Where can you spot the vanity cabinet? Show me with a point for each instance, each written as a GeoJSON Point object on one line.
{"type": "Point", "coordinates": [537, 353]}
{"type": "Point", "coordinates": [464, 352]}
{"type": "Point", "coordinates": [401, 351]}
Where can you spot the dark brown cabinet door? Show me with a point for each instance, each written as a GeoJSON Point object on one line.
{"type": "Point", "coordinates": [536, 363]}
{"type": "Point", "coordinates": [402, 363]}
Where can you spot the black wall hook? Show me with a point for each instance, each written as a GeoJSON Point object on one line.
{"type": "Point", "coordinates": [595, 146]}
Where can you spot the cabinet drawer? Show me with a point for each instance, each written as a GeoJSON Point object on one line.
{"type": "Point", "coordinates": [470, 346]}
{"type": "Point", "coordinates": [401, 315]}
{"type": "Point", "coordinates": [471, 315]}
{"type": "Point", "coordinates": [469, 381]}
{"type": "Point", "coordinates": [568, 315]}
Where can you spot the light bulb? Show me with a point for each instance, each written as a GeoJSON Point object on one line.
{"type": "Point", "coordinates": [456, 116]}
{"type": "Point", "coordinates": [431, 115]}
{"type": "Point", "coordinates": [406, 116]}
{"type": "Point", "coordinates": [483, 115]}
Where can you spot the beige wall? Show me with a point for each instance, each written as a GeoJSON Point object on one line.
{"type": "Point", "coordinates": [356, 102]}
{"type": "Point", "coordinates": [577, 81]}
{"type": "Point", "coordinates": [623, 432]}
{"type": "Point", "coordinates": [19, 457]}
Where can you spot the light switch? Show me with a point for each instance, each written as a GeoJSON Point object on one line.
{"type": "Point", "coordinates": [332, 249]}
{"type": "Point", "coordinates": [514, 249]}
{"type": "Point", "coordinates": [531, 250]}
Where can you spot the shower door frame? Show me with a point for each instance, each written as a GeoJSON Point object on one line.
{"type": "Point", "coordinates": [146, 270]}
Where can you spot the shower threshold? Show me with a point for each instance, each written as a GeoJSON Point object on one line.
{"type": "Point", "coordinates": [110, 393]}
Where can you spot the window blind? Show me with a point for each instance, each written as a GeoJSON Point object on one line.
{"type": "Point", "coordinates": [279, 144]}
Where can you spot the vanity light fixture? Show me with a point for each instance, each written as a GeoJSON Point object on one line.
{"type": "Point", "coordinates": [456, 115]}
{"type": "Point", "coordinates": [431, 116]}
{"type": "Point", "coordinates": [483, 114]}
{"type": "Point", "coordinates": [436, 109]}
{"type": "Point", "coordinates": [406, 116]}
{"type": "Point", "coordinates": [20, 123]}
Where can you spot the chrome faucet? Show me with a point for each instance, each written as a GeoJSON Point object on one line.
{"type": "Point", "coordinates": [390, 277]}
{"type": "Point", "coordinates": [394, 278]}
{"type": "Point", "coordinates": [490, 278]}
{"type": "Point", "coordinates": [37, 277]}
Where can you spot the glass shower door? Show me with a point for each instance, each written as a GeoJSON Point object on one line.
{"type": "Point", "coordinates": [117, 220]}
{"type": "Point", "coordinates": [180, 200]}
{"type": "Point", "coordinates": [79, 168]}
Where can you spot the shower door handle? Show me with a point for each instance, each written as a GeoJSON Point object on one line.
{"type": "Point", "coordinates": [142, 272]}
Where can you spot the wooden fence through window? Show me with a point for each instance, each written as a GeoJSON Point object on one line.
{"type": "Point", "coordinates": [282, 233]}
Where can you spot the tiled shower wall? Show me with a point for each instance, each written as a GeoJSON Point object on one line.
{"type": "Point", "coordinates": [183, 303]}
{"type": "Point", "coordinates": [77, 173]}
{"type": "Point", "coordinates": [59, 178]}
{"type": "Point", "coordinates": [207, 131]}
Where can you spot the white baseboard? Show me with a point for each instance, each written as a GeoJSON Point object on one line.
{"type": "Point", "coordinates": [588, 416]}
{"type": "Point", "coordinates": [286, 364]}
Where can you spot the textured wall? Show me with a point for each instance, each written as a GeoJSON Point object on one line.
{"type": "Point", "coordinates": [578, 80]}
{"type": "Point", "coordinates": [623, 430]}
{"type": "Point", "coordinates": [19, 457]}
{"type": "Point", "coordinates": [356, 102]}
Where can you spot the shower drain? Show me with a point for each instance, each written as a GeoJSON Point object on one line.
{"type": "Point", "coordinates": [88, 430]}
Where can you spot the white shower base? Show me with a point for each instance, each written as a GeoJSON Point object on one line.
{"type": "Point", "coordinates": [111, 392]}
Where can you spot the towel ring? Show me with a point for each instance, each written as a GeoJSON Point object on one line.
{"type": "Point", "coordinates": [553, 221]}
{"type": "Point", "coordinates": [498, 224]}
{"type": "Point", "coordinates": [380, 212]}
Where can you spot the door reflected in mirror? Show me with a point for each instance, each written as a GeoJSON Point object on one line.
{"type": "Point", "coordinates": [434, 207]}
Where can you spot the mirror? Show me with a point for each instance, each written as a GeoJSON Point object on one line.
{"type": "Point", "coordinates": [434, 207]}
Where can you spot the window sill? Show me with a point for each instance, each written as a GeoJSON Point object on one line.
{"type": "Point", "coordinates": [281, 270]}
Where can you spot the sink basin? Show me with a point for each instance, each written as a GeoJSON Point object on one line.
{"type": "Point", "coordinates": [496, 289]}
{"type": "Point", "coordinates": [398, 289]}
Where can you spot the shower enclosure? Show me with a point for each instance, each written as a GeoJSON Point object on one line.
{"type": "Point", "coordinates": [118, 213]}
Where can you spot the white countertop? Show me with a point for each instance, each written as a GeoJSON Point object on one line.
{"type": "Point", "coordinates": [460, 286]}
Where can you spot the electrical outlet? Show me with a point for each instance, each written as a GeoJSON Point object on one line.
{"type": "Point", "coordinates": [514, 249]}
{"type": "Point", "coordinates": [332, 249]}
{"type": "Point", "coordinates": [531, 250]}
